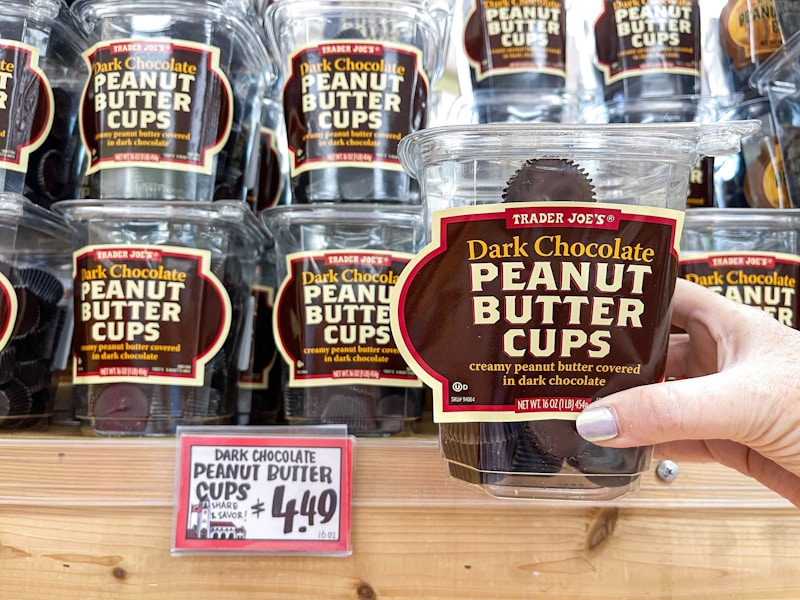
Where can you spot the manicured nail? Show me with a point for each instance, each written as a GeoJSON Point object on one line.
{"type": "Point", "coordinates": [597, 424]}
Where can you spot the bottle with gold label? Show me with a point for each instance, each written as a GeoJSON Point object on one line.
{"type": "Point", "coordinates": [765, 181]}
{"type": "Point", "coordinates": [750, 33]}
{"type": "Point", "coordinates": [754, 177]}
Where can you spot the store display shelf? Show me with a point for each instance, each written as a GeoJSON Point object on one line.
{"type": "Point", "coordinates": [63, 468]}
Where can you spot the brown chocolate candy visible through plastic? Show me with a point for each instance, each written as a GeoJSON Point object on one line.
{"type": "Point", "coordinates": [15, 399]}
{"type": "Point", "coordinates": [27, 313]}
{"type": "Point", "coordinates": [121, 408]}
{"type": "Point", "coordinates": [25, 361]}
{"type": "Point", "coordinates": [543, 446]}
{"type": "Point", "coordinates": [549, 179]}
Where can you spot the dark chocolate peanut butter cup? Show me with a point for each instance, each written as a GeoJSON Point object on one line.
{"type": "Point", "coordinates": [121, 408]}
{"type": "Point", "coordinates": [549, 179]}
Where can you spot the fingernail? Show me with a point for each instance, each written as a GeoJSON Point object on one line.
{"type": "Point", "coordinates": [597, 424]}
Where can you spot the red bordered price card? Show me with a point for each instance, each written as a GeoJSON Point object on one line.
{"type": "Point", "coordinates": [263, 493]}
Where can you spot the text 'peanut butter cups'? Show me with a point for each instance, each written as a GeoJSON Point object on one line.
{"type": "Point", "coordinates": [547, 284]}
{"type": "Point", "coordinates": [512, 62]}
{"type": "Point", "coordinates": [337, 267]}
{"type": "Point", "coordinates": [645, 49]}
{"type": "Point", "coordinates": [172, 104]}
{"type": "Point", "coordinates": [161, 294]}
{"type": "Point", "coordinates": [357, 77]}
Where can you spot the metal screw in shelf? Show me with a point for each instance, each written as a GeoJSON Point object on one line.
{"type": "Point", "coordinates": [667, 471]}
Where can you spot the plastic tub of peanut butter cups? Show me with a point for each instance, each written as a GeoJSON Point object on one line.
{"type": "Point", "coordinates": [337, 266]}
{"type": "Point", "coordinates": [515, 106]}
{"type": "Point", "coordinates": [754, 177]}
{"type": "Point", "coordinates": [357, 76]}
{"type": "Point", "coordinates": [546, 284]}
{"type": "Point", "coordinates": [37, 41]}
{"type": "Point", "coordinates": [751, 256]}
{"type": "Point", "coordinates": [778, 78]}
{"type": "Point", "coordinates": [162, 292]}
{"type": "Point", "coordinates": [35, 311]}
{"type": "Point", "coordinates": [260, 393]}
{"type": "Point", "coordinates": [172, 104]}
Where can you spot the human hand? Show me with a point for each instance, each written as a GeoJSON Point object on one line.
{"type": "Point", "coordinates": [736, 398]}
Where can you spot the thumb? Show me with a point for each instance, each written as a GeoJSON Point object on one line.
{"type": "Point", "coordinates": [701, 408]}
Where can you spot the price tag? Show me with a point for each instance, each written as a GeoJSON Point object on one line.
{"type": "Point", "coordinates": [263, 493]}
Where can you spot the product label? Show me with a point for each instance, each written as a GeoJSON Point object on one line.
{"type": "Point", "coordinates": [26, 104]}
{"type": "Point", "coordinates": [637, 37]}
{"type": "Point", "coordinates": [265, 352]}
{"type": "Point", "coordinates": [349, 102]}
{"type": "Point", "coordinates": [750, 31]}
{"type": "Point", "coordinates": [774, 182]}
{"type": "Point", "coordinates": [152, 314]}
{"type": "Point", "coordinates": [9, 307]}
{"type": "Point", "coordinates": [262, 493]}
{"type": "Point", "coordinates": [153, 103]}
{"type": "Point", "coordinates": [767, 280]}
{"type": "Point", "coordinates": [332, 319]}
{"type": "Point", "coordinates": [528, 311]}
{"type": "Point", "coordinates": [512, 36]}
{"type": "Point", "coordinates": [765, 178]}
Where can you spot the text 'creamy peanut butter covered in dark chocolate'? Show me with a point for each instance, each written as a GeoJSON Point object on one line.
{"type": "Point", "coordinates": [546, 284]}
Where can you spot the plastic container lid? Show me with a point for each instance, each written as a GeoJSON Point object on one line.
{"type": "Point", "coordinates": [30, 228]}
{"type": "Point", "coordinates": [432, 17]}
{"type": "Point", "coordinates": [231, 214]}
{"type": "Point", "coordinates": [750, 219]}
{"type": "Point", "coordinates": [780, 69]}
{"type": "Point", "coordinates": [663, 142]}
{"type": "Point", "coordinates": [237, 16]}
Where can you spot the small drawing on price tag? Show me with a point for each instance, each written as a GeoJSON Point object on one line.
{"type": "Point", "coordinates": [278, 494]}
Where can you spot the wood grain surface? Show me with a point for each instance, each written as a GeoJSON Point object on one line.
{"type": "Point", "coordinates": [85, 518]}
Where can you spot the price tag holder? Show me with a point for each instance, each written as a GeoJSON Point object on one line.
{"type": "Point", "coordinates": [280, 490]}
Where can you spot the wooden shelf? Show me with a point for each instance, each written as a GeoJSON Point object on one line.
{"type": "Point", "coordinates": [65, 469]}
{"type": "Point", "coordinates": [84, 518]}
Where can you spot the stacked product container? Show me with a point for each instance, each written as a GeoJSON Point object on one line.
{"type": "Point", "coordinates": [166, 245]}
{"type": "Point", "coordinates": [357, 77]}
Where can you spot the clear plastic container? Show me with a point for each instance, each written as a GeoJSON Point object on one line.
{"type": "Point", "coordinates": [56, 167]}
{"type": "Point", "coordinates": [358, 76]}
{"type": "Point", "coordinates": [35, 311]}
{"type": "Point", "coordinates": [778, 79]}
{"type": "Point", "coordinates": [515, 106]}
{"type": "Point", "coordinates": [657, 109]}
{"type": "Point", "coordinates": [260, 384]}
{"type": "Point", "coordinates": [636, 54]}
{"type": "Point", "coordinates": [35, 41]}
{"type": "Point", "coordinates": [271, 184]}
{"type": "Point", "coordinates": [511, 62]}
{"type": "Point", "coordinates": [751, 256]}
{"type": "Point", "coordinates": [753, 177]}
{"type": "Point", "coordinates": [731, 229]}
{"type": "Point", "coordinates": [336, 267]}
{"type": "Point", "coordinates": [637, 164]}
{"type": "Point", "coordinates": [162, 295]}
{"type": "Point", "coordinates": [546, 284]}
{"type": "Point", "coordinates": [194, 74]}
